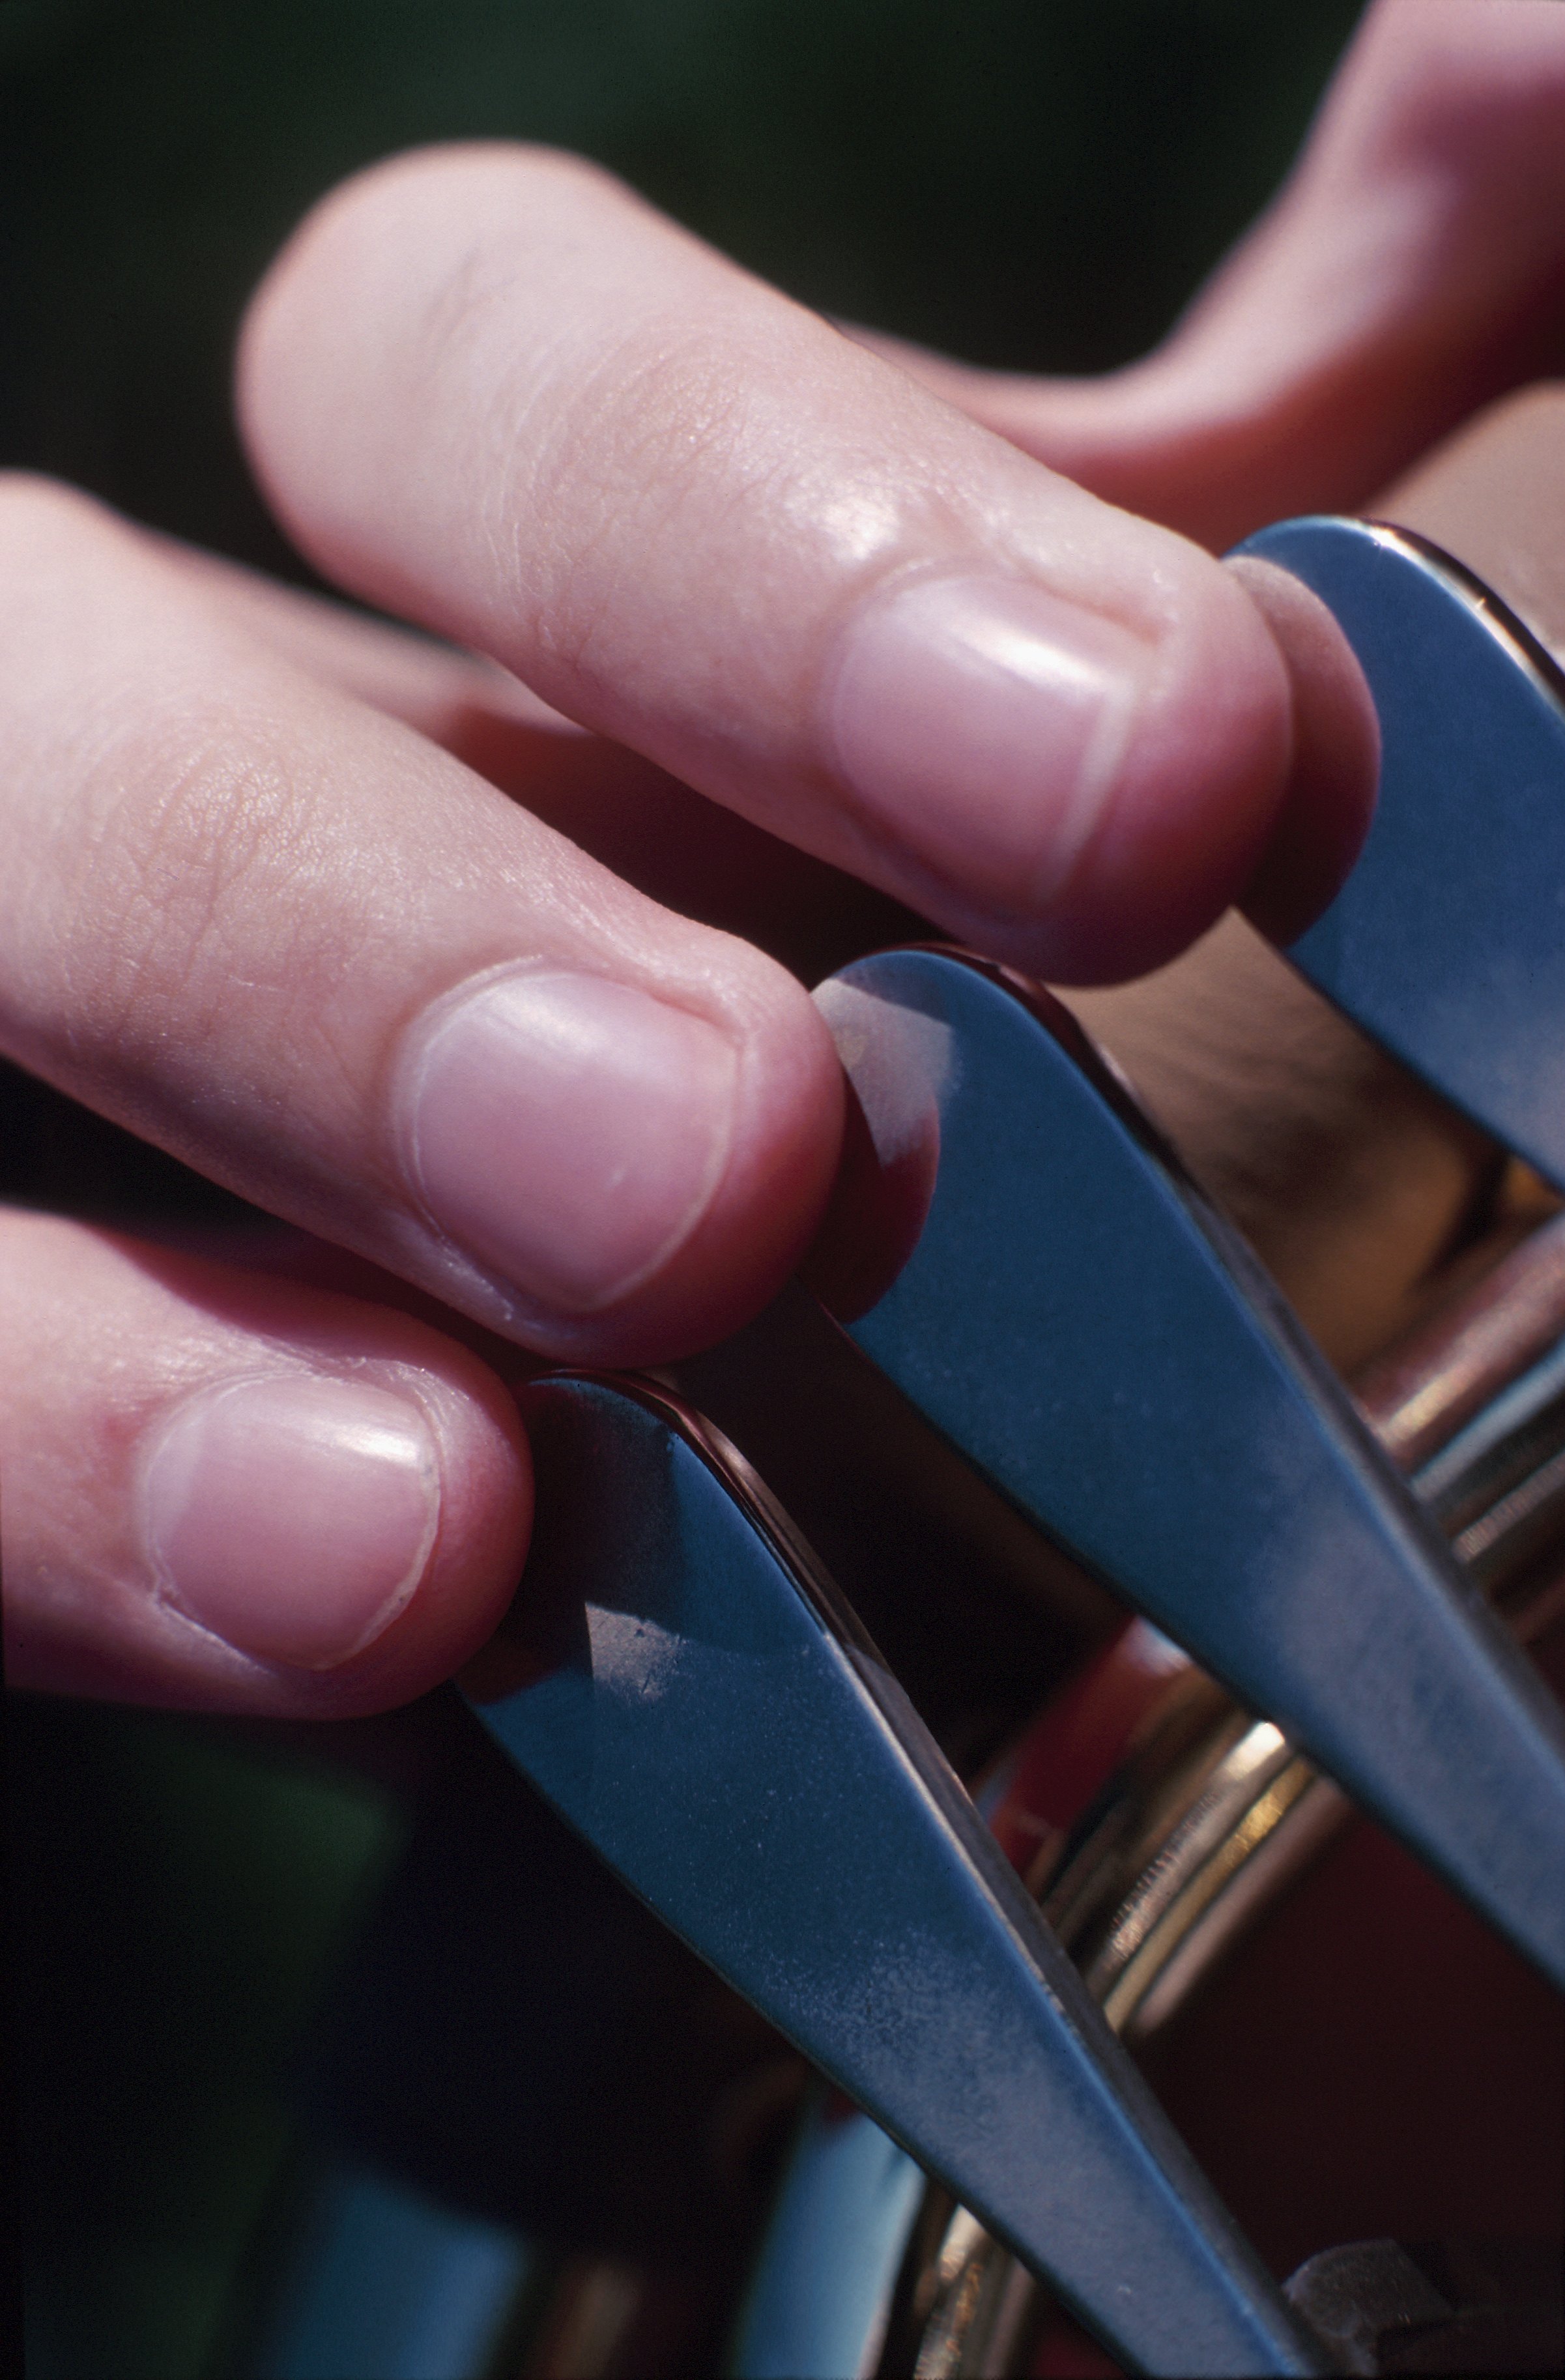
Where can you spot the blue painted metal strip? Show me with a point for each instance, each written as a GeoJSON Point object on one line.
{"type": "Point", "coordinates": [1447, 943]}
{"type": "Point", "coordinates": [709, 1719]}
{"type": "Point", "coordinates": [1082, 1326]}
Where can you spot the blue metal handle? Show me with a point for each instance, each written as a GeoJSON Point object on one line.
{"type": "Point", "coordinates": [709, 1717]}
{"type": "Point", "coordinates": [1077, 1320]}
{"type": "Point", "coordinates": [1447, 943]}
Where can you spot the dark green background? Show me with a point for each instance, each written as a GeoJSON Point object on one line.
{"type": "Point", "coordinates": [1038, 183]}
{"type": "Point", "coordinates": [1029, 182]}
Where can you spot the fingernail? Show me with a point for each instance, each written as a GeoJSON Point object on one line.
{"type": "Point", "coordinates": [982, 721]}
{"type": "Point", "coordinates": [293, 1516]}
{"type": "Point", "coordinates": [568, 1131]}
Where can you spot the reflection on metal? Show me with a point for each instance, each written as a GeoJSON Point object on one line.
{"type": "Point", "coordinates": [394, 2283]}
{"type": "Point", "coordinates": [1445, 942]}
{"type": "Point", "coordinates": [1419, 1393]}
{"type": "Point", "coordinates": [1200, 1830]}
{"type": "Point", "coordinates": [1214, 1816]}
{"type": "Point", "coordinates": [969, 2292]}
{"type": "Point", "coordinates": [591, 2311]}
{"type": "Point", "coordinates": [1495, 1486]}
{"type": "Point", "coordinates": [695, 1699]}
{"type": "Point", "coordinates": [1199, 1924]}
{"type": "Point", "coordinates": [1150, 1926]}
{"type": "Point", "coordinates": [1079, 1322]}
{"type": "Point", "coordinates": [819, 2294]}
{"type": "Point", "coordinates": [1186, 1376]}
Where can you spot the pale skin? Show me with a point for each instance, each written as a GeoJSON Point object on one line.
{"type": "Point", "coordinates": [464, 965]}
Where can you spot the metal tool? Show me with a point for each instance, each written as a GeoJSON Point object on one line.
{"type": "Point", "coordinates": [1447, 943]}
{"type": "Point", "coordinates": [1061, 1302]}
{"type": "Point", "coordinates": [1159, 1827]}
{"type": "Point", "coordinates": [1033, 1270]}
{"type": "Point", "coordinates": [707, 1712]}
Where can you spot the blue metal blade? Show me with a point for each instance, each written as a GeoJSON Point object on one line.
{"type": "Point", "coordinates": [1082, 1325]}
{"type": "Point", "coordinates": [709, 1718]}
{"type": "Point", "coordinates": [1447, 943]}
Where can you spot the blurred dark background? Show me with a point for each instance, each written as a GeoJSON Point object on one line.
{"type": "Point", "coordinates": [1036, 182]}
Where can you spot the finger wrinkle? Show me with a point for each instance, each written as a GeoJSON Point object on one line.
{"type": "Point", "coordinates": [646, 425]}
{"type": "Point", "coordinates": [181, 840]}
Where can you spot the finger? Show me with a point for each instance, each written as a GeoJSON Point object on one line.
{"type": "Point", "coordinates": [1412, 267]}
{"type": "Point", "coordinates": [280, 935]}
{"type": "Point", "coordinates": [489, 390]}
{"type": "Point", "coordinates": [1336, 749]}
{"type": "Point", "coordinates": [652, 831]}
{"type": "Point", "coordinates": [241, 1495]}
{"type": "Point", "coordinates": [1350, 1181]}
{"type": "Point", "coordinates": [1358, 1186]}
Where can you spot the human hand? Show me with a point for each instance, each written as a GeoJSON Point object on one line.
{"type": "Point", "coordinates": [327, 912]}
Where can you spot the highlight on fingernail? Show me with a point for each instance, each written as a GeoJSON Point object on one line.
{"type": "Point", "coordinates": [292, 1514]}
{"type": "Point", "coordinates": [983, 720]}
{"type": "Point", "coordinates": [565, 1130]}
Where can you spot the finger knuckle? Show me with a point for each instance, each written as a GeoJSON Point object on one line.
{"type": "Point", "coordinates": [653, 449]}
{"type": "Point", "coordinates": [188, 825]}
{"type": "Point", "coordinates": [37, 511]}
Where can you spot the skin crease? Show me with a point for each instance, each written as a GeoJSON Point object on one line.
{"type": "Point", "coordinates": [417, 876]}
{"type": "Point", "coordinates": [662, 496]}
{"type": "Point", "coordinates": [571, 529]}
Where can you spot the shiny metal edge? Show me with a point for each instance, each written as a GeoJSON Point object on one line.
{"type": "Point", "coordinates": [1200, 1834]}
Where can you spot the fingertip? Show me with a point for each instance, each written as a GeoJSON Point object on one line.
{"type": "Point", "coordinates": [782, 1133]}
{"type": "Point", "coordinates": [1249, 781]}
{"type": "Point", "coordinates": [1186, 811]}
{"type": "Point", "coordinates": [787, 1145]}
{"type": "Point", "coordinates": [353, 1531]}
{"type": "Point", "coordinates": [1329, 798]}
{"type": "Point", "coordinates": [232, 1492]}
{"type": "Point", "coordinates": [478, 1548]}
